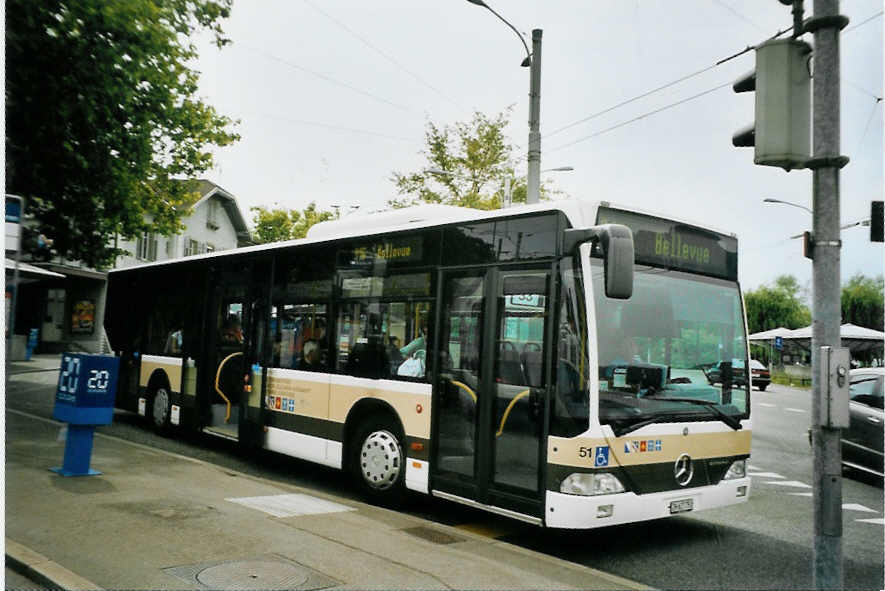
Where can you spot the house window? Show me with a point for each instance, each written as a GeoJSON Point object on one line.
{"type": "Point", "coordinates": [210, 247]}
{"type": "Point", "coordinates": [212, 214]}
{"type": "Point", "coordinates": [191, 247]}
{"type": "Point", "coordinates": [146, 247]}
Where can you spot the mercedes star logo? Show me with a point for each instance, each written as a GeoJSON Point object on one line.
{"type": "Point", "coordinates": [683, 470]}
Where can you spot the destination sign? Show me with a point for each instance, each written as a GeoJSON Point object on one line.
{"type": "Point", "coordinates": [397, 250]}
{"type": "Point", "coordinates": [664, 243]}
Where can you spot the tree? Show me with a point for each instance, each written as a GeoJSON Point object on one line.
{"type": "Point", "coordinates": [274, 225]}
{"type": "Point", "coordinates": [863, 302]}
{"type": "Point", "coordinates": [778, 306]}
{"type": "Point", "coordinates": [103, 119]}
{"type": "Point", "coordinates": [477, 155]}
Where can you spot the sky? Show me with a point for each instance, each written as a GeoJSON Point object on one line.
{"type": "Point", "coordinates": [333, 97]}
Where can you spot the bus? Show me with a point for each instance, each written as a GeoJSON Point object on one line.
{"type": "Point", "coordinates": [551, 362]}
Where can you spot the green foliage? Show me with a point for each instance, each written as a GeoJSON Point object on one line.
{"type": "Point", "coordinates": [778, 306]}
{"type": "Point", "coordinates": [863, 301]}
{"type": "Point", "coordinates": [478, 156]}
{"type": "Point", "coordinates": [274, 225]}
{"type": "Point", "coordinates": [102, 117]}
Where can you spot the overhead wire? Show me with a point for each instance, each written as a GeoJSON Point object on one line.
{"type": "Point", "coordinates": [336, 127]}
{"type": "Point", "coordinates": [326, 78]}
{"type": "Point", "coordinates": [673, 83]}
{"type": "Point", "coordinates": [383, 54]}
{"type": "Point", "coordinates": [642, 116]}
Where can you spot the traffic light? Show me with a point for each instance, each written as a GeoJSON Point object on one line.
{"type": "Point", "coordinates": [877, 223]}
{"type": "Point", "coordinates": [781, 134]}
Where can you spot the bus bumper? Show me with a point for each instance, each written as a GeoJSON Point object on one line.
{"type": "Point", "coordinates": [585, 512]}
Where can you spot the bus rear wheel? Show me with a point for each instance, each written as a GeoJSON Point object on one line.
{"type": "Point", "coordinates": [161, 408]}
{"type": "Point", "coordinates": [378, 461]}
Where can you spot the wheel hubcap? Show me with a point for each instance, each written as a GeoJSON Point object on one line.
{"type": "Point", "coordinates": [380, 460]}
{"type": "Point", "coordinates": [161, 406]}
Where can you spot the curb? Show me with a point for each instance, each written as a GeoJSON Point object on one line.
{"type": "Point", "coordinates": [42, 570]}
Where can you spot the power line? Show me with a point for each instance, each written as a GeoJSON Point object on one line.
{"type": "Point", "coordinates": [867, 126]}
{"type": "Point", "coordinates": [737, 14]}
{"type": "Point", "coordinates": [863, 22]}
{"type": "Point", "coordinates": [327, 78]}
{"type": "Point", "coordinates": [627, 102]}
{"type": "Point", "coordinates": [644, 115]}
{"type": "Point", "coordinates": [383, 54]}
{"type": "Point", "coordinates": [688, 76]}
{"type": "Point", "coordinates": [337, 127]}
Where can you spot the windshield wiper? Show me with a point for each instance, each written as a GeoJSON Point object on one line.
{"type": "Point", "coordinates": [722, 415]}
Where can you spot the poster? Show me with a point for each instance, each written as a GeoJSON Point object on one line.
{"type": "Point", "coordinates": [83, 317]}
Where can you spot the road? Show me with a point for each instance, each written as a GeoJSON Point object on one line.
{"type": "Point", "coordinates": [766, 543]}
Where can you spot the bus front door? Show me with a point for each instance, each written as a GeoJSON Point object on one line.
{"type": "Point", "coordinates": [491, 388]}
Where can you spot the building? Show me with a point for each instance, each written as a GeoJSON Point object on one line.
{"type": "Point", "coordinates": [68, 309]}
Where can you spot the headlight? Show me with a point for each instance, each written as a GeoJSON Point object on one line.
{"type": "Point", "coordinates": [599, 483]}
{"type": "Point", "coordinates": [738, 469]}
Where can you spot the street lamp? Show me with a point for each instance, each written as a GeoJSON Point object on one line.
{"type": "Point", "coordinates": [771, 200]}
{"type": "Point", "coordinates": [842, 227]}
{"type": "Point", "coordinates": [533, 59]}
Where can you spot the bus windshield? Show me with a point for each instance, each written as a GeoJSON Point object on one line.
{"type": "Point", "coordinates": [675, 351]}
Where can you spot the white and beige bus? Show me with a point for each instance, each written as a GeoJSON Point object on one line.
{"type": "Point", "coordinates": [566, 364]}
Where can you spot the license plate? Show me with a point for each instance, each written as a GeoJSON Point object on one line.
{"type": "Point", "coordinates": [681, 506]}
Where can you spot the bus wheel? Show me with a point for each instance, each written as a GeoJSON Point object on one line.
{"type": "Point", "coordinates": [161, 407]}
{"type": "Point", "coordinates": [378, 461]}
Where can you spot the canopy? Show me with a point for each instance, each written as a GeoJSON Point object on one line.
{"type": "Point", "coordinates": [770, 334]}
{"type": "Point", "coordinates": [26, 270]}
{"type": "Point", "coordinates": [856, 338]}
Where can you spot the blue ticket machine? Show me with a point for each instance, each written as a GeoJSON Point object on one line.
{"type": "Point", "coordinates": [87, 385]}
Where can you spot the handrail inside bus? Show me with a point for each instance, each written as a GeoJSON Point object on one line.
{"type": "Point", "coordinates": [508, 409]}
{"type": "Point", "coordinates": [506, 414]}
{"type": "Point", "coordinates": [217, 389]}
{"type": "Point", "coordinates": [466, 388]}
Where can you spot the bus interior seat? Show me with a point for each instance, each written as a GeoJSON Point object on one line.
{"type": "Point", "coordinates": [533, 365]}
{"type": "Point", "coordinates": [368, 360]}
{"type": "Point", "coordinates": [509, 366]}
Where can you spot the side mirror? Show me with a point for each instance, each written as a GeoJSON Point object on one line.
{"type": "Point", "coordinates": [616, 241]}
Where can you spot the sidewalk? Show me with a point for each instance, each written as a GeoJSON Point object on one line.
{"type": "Point", "coordinates": [36, 363]}
{"type": "Point", "coordinates": [155, 520]}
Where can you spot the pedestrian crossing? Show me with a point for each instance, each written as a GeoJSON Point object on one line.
{"type": "Point", "coordinates": [773, 478]}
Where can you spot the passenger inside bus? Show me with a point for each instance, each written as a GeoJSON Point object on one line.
{"type": "Point", "coordinates": [232, 333]}
{"type": "Point", "coordinates": [312, 357]}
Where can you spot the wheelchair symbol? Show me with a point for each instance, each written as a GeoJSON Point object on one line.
{"type": "Point", "coordinates": [601, 456]}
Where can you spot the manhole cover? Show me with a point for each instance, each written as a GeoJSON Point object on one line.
{"type": "Point", "coordinates": [269, 571]}
{"type": "Point", "coordinates": [254, 574]}
{"type": "Point", "coordinates": [432, 535]}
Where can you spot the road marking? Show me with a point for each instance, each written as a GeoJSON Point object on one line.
{"type": "Point", "coordinates": [801, 494]}
{"type": "Point", "coordinates": [856, 507]}
{"type": "Point", "coordinates": [879, 521]}
{"type": "Point", "coordinates": [767, 404]}
{"type": "Point", "coordinates": [795, 483]}
{"type": "Point", "coordinates": [788, 409]}
{"type": "Point", "coordinates": [766, 475]}
{"type": "Point", "coordinates": [751, 467]}
{"type": "Point", "coordinates": [290, 505]}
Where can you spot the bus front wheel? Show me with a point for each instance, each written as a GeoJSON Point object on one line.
{"type": "Point", "coordinates": [378, 461]}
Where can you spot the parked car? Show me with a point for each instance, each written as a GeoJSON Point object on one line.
{"type": "Point", "coordinates": [738, 373]}
{"type": "Point", "coordinates": [759, 375]}
{"type": "Point", "coordinates": [862, 440]}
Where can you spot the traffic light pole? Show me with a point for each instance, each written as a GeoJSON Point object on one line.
{"type": "Point", "coordinates": [825, 163]}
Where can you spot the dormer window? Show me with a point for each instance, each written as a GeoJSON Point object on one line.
{"type": "Point", "coordinates": [212, 214]}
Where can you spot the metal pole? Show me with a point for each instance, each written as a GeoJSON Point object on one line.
{"type": "Point", "coordinates": [533, 188]}
{"type": "Point", "coordinates": [825, 164]}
